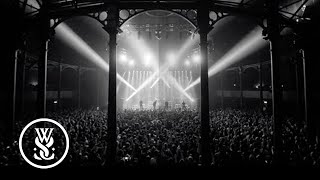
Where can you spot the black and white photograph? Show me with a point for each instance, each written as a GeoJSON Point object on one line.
{"type": "Point", "coordinates": [170, 84]}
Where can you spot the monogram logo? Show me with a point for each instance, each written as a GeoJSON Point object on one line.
{"type": "Point", "coordinates": [47, 152]}
{"type": "Point", "coordinates": [44, 141]}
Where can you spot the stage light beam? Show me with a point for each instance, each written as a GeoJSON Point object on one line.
{"type": "Point", "coordinates": [68, 36]}
{"type": "Point", "coordinates": [171, 59]}
{"type": "Point", "coordinates": [165, 82]}
{"type": "Point", "coordinates": [155, 82]}
{"type": "Point", "coordinates": [189, 43]}
{"type": "Point", "coordinates": [180, 89]}
{"type": "Point", "coordinates": [143, 85]}
{"type": "Point", "coordinates": [249, 44]}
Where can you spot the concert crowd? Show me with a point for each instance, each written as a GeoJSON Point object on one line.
{"type": "Point", "coordinates": [158, 138]}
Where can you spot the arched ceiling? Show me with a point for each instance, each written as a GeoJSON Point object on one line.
{"type": "Point", "coordinates": [234, 28]}
{"type": "Point", "coordinates": [290, 9]}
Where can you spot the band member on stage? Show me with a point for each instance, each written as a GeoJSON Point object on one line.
{"type": "Point", "coordinates": [183, 105]}
{"type": "Point", "coordinates": [154, 104]}
{"type": "Point", "coordinates": [166, 105]}
{"type": "Point", "coordinates": [141, 105]}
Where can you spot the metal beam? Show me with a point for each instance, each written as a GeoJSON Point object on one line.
{"type": "Point", "coordinates": [79, 86]}
{"type": "Point", "coordinates": [59, 84]}
{"type": "Point", "coordinates": [112, 29]}
{"type": "Point", "coordinates": [68, 9]}
{"type": "Point", "coordinates": [274, 38]}
{"type": "Point", "coordinates": [299, 9]}
{"type": "Point", "coordinates": [261, 86]}
{"type": "Point", "coordinates": [42, 62]}
{"type": "Point", "coordinates": [240, 87]}
{"type": "Point", "coordinates": [203, 21]}
{"type": "Point", "coordinates": [58, 11]}
{"type": "Point", "coordinates": [222, 88]}
{"type": "Point", "coordinates": [290, 4]}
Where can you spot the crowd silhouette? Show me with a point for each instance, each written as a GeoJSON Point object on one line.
{"type": "Point", "coordinates": [149, 138]}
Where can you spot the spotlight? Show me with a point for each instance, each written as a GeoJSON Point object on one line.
{"type": "Point", "coordinates": [55, 102]}
{"type": "Point", "coordinates": [123, 57]}
{"type": "Point", "coordinates": [196, 58]}
{"type": "Point", "coordinates": [171, 59]}
{"type": "Point", "coordinates": [131, 63]}
{"type": "Point", "coordinates": [146, 59]}
{"type": "Point", "coordinates": [187, 63]}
